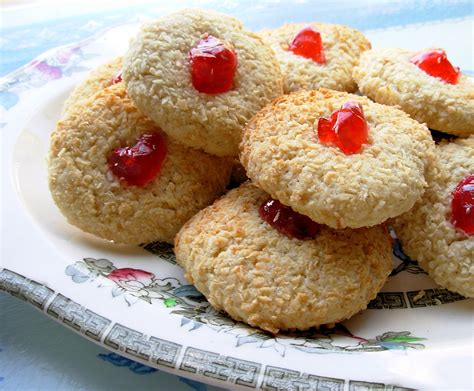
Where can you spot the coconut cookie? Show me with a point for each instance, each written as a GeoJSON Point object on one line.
{"type": "Point", "coordinates": [200, 76]}
{"type": "Point", "coordinates": [424, 84]}
{"type": "Point", "coordinates": [113, 173]}
{"type": "Point", "coordinates": [316, 55]}
{"type": "Point", "coordinates": [439, 230]}
{"type": "Point", "coordinates": [270, 280]}
{"type": "Point", "coordinates": [337, 158]}
{"type": "Point", "coordinates": [102, 77]}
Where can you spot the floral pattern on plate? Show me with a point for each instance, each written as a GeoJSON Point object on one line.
{"type": "Point", "coordinates": [184, 300]}
{"type": "Point", "coordinates": [37, 73]}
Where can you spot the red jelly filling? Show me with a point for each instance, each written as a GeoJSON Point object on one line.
{"type": "Point", "coordinates": [213, 65]}
{"type": "Point", "coordinates": [347, 128]}
{"type": "Point", "coordinates": [462, 205]}
{"type": "Point", "coordinates": [287, 221]}
{"type": "Point", "coordinates": [308, 44]}
{"type": "Point", "coordinates": [139, 165]}
{"type": "Point", "coordinates": [116, 79]}
{"type": "Point", "coordinates": [436, 64]}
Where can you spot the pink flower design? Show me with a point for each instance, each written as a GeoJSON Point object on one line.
{"type": "Point", "coordinates": [133, 280]}
{"type": "Point", "coordinates": [50, 71]}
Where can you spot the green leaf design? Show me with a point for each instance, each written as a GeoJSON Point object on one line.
{"type": "Point", "coordinates": [160, 288]}
{"type": "Point", "coordinates": [100, 266]}
{"type": "Point", "coordinates": [187, 313]}
{"type": "Point", "coordinates": [170, 302]}
{"type": "Point", "coordinates": [403, 338]}
{"type": "Point", "coordinates": [252, 338]}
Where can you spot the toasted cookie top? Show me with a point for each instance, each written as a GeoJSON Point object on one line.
{"type": "Point", "coordinates": [99, 78]}
{"type": "Point", "coordinates": [93, 198]}
{"type": "Point", "coordinates": [282, 153]}
{"type": "Point", "coordinates": [157, 72]}
{"type": "Point", "coordinates": [260, 276]}
{"type": "Point", "coordinates": [427, 232]}
{"type": "Point", "coordinates": [387, 76]}
{"type": "Point", "coordinates": [341, 47]}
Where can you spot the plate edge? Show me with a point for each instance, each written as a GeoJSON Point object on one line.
{"type": "Point", "coordinates": [181, 360]}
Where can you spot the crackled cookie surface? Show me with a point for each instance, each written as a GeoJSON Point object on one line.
{"type": "Point", "coordinates": [328, 63]}
{"type": "Point", "coordinates": [99, 78]}
{"type": "Point", "coordinates": [106, 133]}
{"type": "Point", "coordinates": [283, 153]}
{"type": "Point", "coordinates": [260, 276]}
{"type": "Point", "coordinates": [159, 73]}
{"type": "Point", "coordinates": [431, 233]}
{"type": "Point", "coordinates": [387, 76]}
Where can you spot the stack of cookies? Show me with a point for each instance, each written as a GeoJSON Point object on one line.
{"type": "Point", "coordinates": [139, 149]}
{"type": "Point", "coordinates": [148, 142]}
{"type": "Point", "coordinates": [438, 231]}
{"type": "Point", "coordinates": [304, 243]}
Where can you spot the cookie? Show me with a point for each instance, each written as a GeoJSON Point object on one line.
{"type": "Point", "coordinates": [99, 78]}
{"type": "Point", "coordinates": [387, 76]}
{"type": "Point", "coordinates": [87, 190]}
{"type": "Point", "coordinates": [157, 71]}
{"type": "Point", "coordinates": [268, 280]}
{"type": "Point", "coordinates": [284, 155]}
{"type": "Point", "coordinates": [427, 232]}
{"type": "Point", "coordinates": [341, 49]}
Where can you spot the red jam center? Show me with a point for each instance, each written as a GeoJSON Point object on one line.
{"type": "Point", "coordinates": [436, 64]}
{"type": "Point", "coordinates": [116, 79]}
{"type": "Point", "coordinates": [347, 128]}
{"type": "Point", "coordinates": [213, 65]}
{"type": "Point", "coordinates": [308, 44]}
{"type": "Point", "coordinates": [287, 221]}
{"type": "Point", "coordinates": [462, 205]}
{"type": "Point", "coordinates": [139, 165]}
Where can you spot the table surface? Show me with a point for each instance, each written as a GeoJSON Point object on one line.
{"type": "Point", "coordinates": [35, 351]}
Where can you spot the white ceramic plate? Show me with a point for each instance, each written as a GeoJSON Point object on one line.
{"type": "Point", "coordinates": [135, 300]}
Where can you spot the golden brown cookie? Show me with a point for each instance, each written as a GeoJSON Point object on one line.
{"type": "Point", "coordinates": [388, 77]}
{"type": "Point", "coordinates": [87, 190]}
{"type": "Point", "coordinates": [342, 47]}
{"type": "Point", "coordinates": [99, 78]}
{"type": "Point", "coordinates": [427, 232]}
{"type": "Point", "coordinates": [282, 153]}
{"type": "Point", "coordinates": [268, 280]}
{"type": "Point", "coordinates": [158, 76]}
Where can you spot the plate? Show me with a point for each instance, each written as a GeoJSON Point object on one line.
{"type": "Point", "coordinates": [135, 300]}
